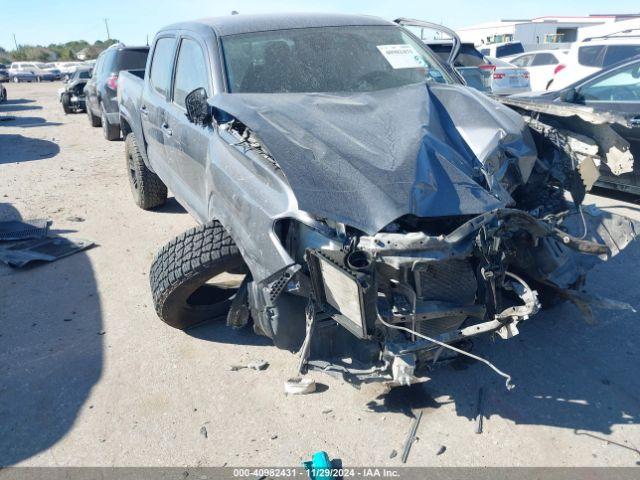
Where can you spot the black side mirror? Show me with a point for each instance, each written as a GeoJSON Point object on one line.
{"type": "Point", "coordinates": [570, 96]}
{"type": "Point", "coordinates": [198, 110]}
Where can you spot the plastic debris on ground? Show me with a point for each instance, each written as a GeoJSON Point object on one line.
{"type": "Point", "coordinates": [41, 249]}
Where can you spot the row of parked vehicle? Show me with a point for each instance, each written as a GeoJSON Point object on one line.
{"type": "Point", "coordinates": [355, 198]}
{"type": "Point", "coordinates": [39, 72]}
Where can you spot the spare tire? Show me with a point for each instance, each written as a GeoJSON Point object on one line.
{"type": "Point", "coordinates": [195, 276]}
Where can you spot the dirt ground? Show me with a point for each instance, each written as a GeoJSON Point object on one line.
{"type": "Point", "coordinates": [90, 377]}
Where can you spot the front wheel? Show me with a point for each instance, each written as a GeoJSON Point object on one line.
{"type": "Point", "coordinates": [16, 80]}
{"type": "Point", "coordinates": [195, 276]}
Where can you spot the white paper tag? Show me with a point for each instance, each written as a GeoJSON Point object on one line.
{"type": "Point", "coordinates": [401, 56]}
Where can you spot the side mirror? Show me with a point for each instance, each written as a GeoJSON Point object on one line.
{"type": "Point", "coordinates": [198, 111]}
{"type": "Point", "coordinates": [570, 96]}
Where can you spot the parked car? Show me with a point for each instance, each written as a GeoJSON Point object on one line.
{"type": "Point", "coordinates": [51, 67]}
{"type": "Point", "coordinates": [508, 79]}
{"type": "Point", "coordinates": [469, 63]}
{"type": "Point", "coordinates": [483, 73]}
{"type": "Point", "coordinates": [72, 95]}
{"type": "Point", "coordinates": [504, 49]}
{"type": "Point", "coordinates": [4, 73]}
{"type": "Point", "coordinates": [19, 72]}
{"type": "Point", "coordinates": [17, 75]}
{"type": "Point", "coordinates": [592, 55]}
{"type": "Point", "coordinates": [542, 65]}
{"type": "Point", "coordinates": [355, 200]}
{"type": "Point", "coordinates": [3, 93]}
{"type": "Point", "coordinates": [615, 90]}
{"type": "Point", "coordinates": [101, 89]}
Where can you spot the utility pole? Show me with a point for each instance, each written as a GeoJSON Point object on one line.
{"type": "Point", "coordinates": [15, 42]}
{"type": "Point", "coordinates": [106, 24]}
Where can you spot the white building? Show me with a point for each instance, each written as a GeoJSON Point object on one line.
{"type": "Point", "coordinates": [537, 33]}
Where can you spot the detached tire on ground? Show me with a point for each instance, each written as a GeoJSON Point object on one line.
{"type": "Point", "coordinates": [195, 276]}
{"type": "Point", "coordinates": [146, 187]}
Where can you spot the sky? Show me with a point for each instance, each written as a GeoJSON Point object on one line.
{"type": "Point", "coordinates": [130, 21]}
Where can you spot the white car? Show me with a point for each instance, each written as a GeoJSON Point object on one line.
{"type": "Point", "coordinates": [39, 71]}
{"type": "Point", "coordinates": [542, 66]}
{"type": "Point", "coordinates": [499, 50]}
{"type": "Point", "coordinates": [592, 55]}
{"type": "Point", "coordinates": [508, 79]}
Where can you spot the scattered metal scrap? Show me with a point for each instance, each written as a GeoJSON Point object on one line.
{"type": "Point", "coordinates": [24, 229]}
{"type": "Point", "coordinates": [411, 437]}
{"type": "Point", "coordinates": [479, 414]}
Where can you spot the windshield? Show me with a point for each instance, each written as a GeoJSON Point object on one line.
{"type": "Point", "coordinates": [327, 59]}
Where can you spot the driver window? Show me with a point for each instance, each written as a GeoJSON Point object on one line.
{"type": "Point", "coordinates": [622, 85]}
{"type": "Point", "coordinates": [191, 71]}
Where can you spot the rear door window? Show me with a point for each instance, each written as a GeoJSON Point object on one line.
{"type": "Point", "coordinates": [509, 49]}
{"type": "Point", "coordinates": [540, 59]}
{"type": "Point", "coordinates": [522, 61]}
{"type": "Point", "coordinates": [160, 75]}
{"type": "Point", "coordinates": [132, 59]}
{"type": "Point", "coordinates": [191, 71]}
{"type": "Point", "coordinates": [591, 56]}
{"type": "Point", "coordinates": [619, 53]}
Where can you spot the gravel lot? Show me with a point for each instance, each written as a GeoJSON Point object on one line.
{"type": "Point", "coordinates": [89, 376]}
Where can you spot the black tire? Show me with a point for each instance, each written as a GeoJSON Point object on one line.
{"type": "Point", "coordinates": [146, 187]}
{"type": "Point", "coordinates": [66, 103]}
{"type": "Point", "coordinates": [180, 272]}
{"type": "Point", "coordinates": [93, 120]}
{"type": "Point", "coordinates": [110, 132]}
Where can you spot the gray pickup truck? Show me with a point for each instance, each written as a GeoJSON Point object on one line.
{"type": "Point", "coordinates": [356, 201]}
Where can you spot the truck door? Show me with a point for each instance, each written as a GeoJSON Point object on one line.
{"type": "Point", "coordinates": [189, 149]}
{"type": "Point", "coordinates": [155, 95]}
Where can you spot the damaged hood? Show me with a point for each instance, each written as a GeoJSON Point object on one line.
{"type": "Point", "coordinates": [366, 159]}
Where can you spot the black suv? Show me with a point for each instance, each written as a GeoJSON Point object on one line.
{"type": "Point", "coordinates": [101, 89]}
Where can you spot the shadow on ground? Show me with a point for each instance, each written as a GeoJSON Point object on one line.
{"type": "Point", "coordinates": [171, 206]}
{"type": "Point", "coordinates": [14, 107]}
{"type": "Point", "coordinates": [18, 148]}
{"type": "Point", "coordinates": [50, 351]}
{"type": "Point", "coordinates": [217, 331]}
{"type": "Point", "coordinates": [28, 122]}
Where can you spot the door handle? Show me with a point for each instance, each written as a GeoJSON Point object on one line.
{"type": "Point", "coordinates": [143, 110]}
{"type": "Point", "coordinates": [165, 128]}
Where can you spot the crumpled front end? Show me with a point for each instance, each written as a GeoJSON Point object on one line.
{"type": "Point", "coordinates": [406, 241]}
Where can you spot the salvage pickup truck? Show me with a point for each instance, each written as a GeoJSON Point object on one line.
{"type": "Point", "coordinates": [356, 201]}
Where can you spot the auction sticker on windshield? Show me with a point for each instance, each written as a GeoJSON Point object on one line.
{"type": "Point", "coordinates": [401, 56]}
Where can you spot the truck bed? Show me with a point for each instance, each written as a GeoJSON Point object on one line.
{"type": "Point", "coordinates": [130, 86]}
